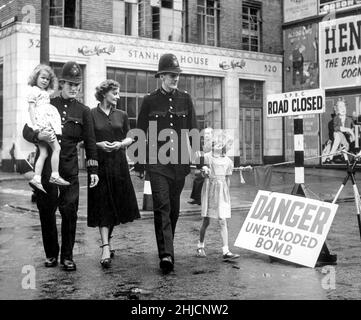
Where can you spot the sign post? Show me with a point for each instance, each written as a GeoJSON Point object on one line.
{"type": "Point", "coordinates": [298, 104]}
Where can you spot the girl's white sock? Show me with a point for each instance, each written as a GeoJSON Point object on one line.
{"type": "Point", "coordinates": [200, 244]}
{"type": "Point", "coordinates": [37, 178]}
{"type": "Point", "coordinates": [225, 249]}
{"type": "Point", "coordinates": [55, 175]}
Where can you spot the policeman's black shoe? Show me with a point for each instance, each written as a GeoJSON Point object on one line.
{"type": "Point", "coordinates": [68, 265]}
{"type": "Point", "coordinates": [328, 161]}
{"type": "Point", "coordinates": [326, 260]}
{"type": "Point", "coordinates": [51, 262]}
{"type": "Point", "coordinates": [166, 264]}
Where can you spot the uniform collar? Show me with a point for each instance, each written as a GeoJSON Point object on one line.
{"type": "Point", "coordinates": [67, 101]}
{"type": "Point", "coordinates": [166, 93]}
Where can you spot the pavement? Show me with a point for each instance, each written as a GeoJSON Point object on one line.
{"type": "Point", "coordinates": [135, 273]}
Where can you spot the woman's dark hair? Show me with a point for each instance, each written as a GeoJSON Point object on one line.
{"type": "Point", "coordinates": [104, 88]}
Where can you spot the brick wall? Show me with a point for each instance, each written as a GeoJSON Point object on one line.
{"type": "Point", "coordinates": [230, 24]}
{"type": "Point", "coordinates": [10, 10]}
{"type": "Point", "coordinates": [272, 26]}
{"type": "Point", "coordinates": [97, 15]}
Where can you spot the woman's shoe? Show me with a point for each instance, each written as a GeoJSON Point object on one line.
{"type": "Point", "coordinates": [107, 261]}
{"type": "Point", "coordinates": [112, 251]}
{"type": "Point", "coordinates": [59, 181]}
{"type": "Point", "coordinates": [201, 253]}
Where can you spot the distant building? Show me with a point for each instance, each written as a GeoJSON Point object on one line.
{"type": "Point", "coordinates": [322, 49]}
{"type": "Point", "coordinates": [230, 52]}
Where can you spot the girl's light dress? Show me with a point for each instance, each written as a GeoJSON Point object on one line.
{"type": "Point", "coordinates": [216, 199]}
{"type": "Point", "coordinates": [45, 114]}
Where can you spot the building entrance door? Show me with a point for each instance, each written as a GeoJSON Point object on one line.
{"type": "Point", "coordinates": [250, 122]}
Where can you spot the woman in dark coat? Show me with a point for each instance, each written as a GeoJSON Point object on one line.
{"type": "Point", "coordinates": [113, 200]}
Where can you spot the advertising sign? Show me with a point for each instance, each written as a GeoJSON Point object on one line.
{"type": "Point", "coordinates": [298, 9]}
{"type": "Point", "coordinates": [340, 52]}
{"type": "Point", "coordinates": [287, 227]}
{"type": "Point", "coordinates": [296, 103]}
{"type": "Point", "coordinates": [301, 69]}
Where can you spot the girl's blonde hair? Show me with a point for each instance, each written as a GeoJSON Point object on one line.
{"type": "Point", "coordinates": [53, 83]}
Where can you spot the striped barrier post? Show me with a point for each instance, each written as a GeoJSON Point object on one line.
{"type": "Point", "coordinates": [299, 187]}
{"type": "Point", "coordinates": [147, 194]}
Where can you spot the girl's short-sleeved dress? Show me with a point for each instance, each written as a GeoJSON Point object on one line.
{"type": "Point", "coordinates": [113, 200]}
{"type": "Point", "coordinates": [216, 199]}
{"type": "Point", "coordinates": [45, 114]}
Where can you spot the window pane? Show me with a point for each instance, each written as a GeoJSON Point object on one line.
{"type": "Point", "coordinates": [131, 82]}
{"type": "Point", "coordinates": [152, 82]}
{"type": "Point", "coordinates": [131, 107]}
{"type": "Point", "coordinates": [208, 87]}
{"type": "Point", "coordinates": [120, 77]}
{"type": "Point", "coordinates": [217, 88]}
{"type": "Point", "coordinates": [217, 111]}
{"type": "Point", "coordinates": [199, 87]}
{"type": "Point", "coordinates": [208, 112]}
{"type": "Point", "coordinates": [142, 82]}
{"type": "Point", "coordinates": [121, 103]}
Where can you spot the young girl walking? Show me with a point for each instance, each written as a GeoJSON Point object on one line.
{"type": "Point", "coordinates": [44, 116]}
{"type": "Point", "coordinates": [216, 200]}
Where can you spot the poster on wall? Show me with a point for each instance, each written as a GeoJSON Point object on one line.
{"type": "Point", "coordinates": [340, 52]}
{"type": "Point", "coordinates": [301, 69]}
{"type": "Point", "coordinates": [298, 9]}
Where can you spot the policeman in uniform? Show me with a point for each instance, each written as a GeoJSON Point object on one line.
{"type": "Point", "coordinates": [170, 109]}
{"type": "Point", "coordinates": [77, 125]}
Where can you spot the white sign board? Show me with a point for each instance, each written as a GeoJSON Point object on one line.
{"type": "Point", "coordinates": [296, 103]}
{"type": "Point", "coordinates": [287, 227]}
{"type": "Point", "coordinates": [340, 52]}
{"type": "Point", "coordinates": [299, 9]}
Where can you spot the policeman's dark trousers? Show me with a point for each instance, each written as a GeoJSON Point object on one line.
{"type": "Point", "coordinates": [67, 199]}
{"type": "Point", "coordinates": [166, 203]}
{"type": "Point", "coordinates": [197, 188]}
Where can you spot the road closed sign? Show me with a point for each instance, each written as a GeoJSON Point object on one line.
{"type": "Point", "coordinates": [296, 103]}
{"type": "Point", "coordinates": [287, 227]}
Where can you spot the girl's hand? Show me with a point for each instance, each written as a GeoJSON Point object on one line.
{"type": "Point", "coordinates": [47, 135]}
{"type": "Point", "coordinates": [105, 146]}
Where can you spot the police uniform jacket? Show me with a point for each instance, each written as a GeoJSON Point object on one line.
{"type": "Point", "coordinates": [77, 125]}
{"type": "Point", "coordinates": [173, 111]}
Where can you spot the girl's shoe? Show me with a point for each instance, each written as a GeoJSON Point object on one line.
{"type": "Point", "coordinates": [107, 261]}
{"type": "Point", "coordinates": [36, 185]}
{"type": "Point", "coordinates": [230, 256]}
{"type": "Point", "coordinates": [201, 253]}
{"type": "Point", "coordinates": [59, 181]}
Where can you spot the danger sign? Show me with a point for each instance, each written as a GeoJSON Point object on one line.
{"type": "Point", "coordinates": [296, 103]}
{"type": "Point", "coordinates": [287, 227]}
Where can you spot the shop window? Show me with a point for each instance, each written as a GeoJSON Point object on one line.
{"type": "Point", "coordinates": [56, 66]}
{"type": "Point", "coordinates": [65, 13]}
{"type": "Point", "coordinates": [125, 17]}
{"type": "Point", "coordinates": [208, 22]}
{"type": "Point", "coordinates": [207, 102]}
{"type": "Point", "coordinates": [168, 20]}
{"type": "Point", "coordinates": [1, 104]}
{"type": "Point", "coordinates": [251, 26]}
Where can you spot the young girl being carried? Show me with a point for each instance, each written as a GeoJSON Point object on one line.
{"type": "Point", "coordinates": [44, 116]}
{"type": "Point", "coordinates": [216, 200]}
